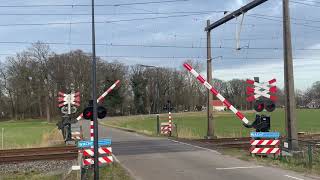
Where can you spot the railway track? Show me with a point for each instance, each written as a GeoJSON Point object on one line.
{"type": "Point", "coordinates": [36, 154]}
{"type": "Point", "coordinates": [242, 142]}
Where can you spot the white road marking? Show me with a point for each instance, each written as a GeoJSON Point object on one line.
{"type": "Point", "coordinates": [244, 167]}
{"type": "Point", "coordinates": [195, 146]}
{"type": "Point", "coordinates": [292, 177]}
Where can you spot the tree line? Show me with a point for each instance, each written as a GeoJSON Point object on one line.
{"type": "Point", "coordinates": [30, 82]}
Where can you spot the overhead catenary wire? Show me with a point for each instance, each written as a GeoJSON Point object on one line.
{"type": "Point", "coordinates": [89, 5]}
{"type": "Point", "coordinates": [306, 4]}
{"type": "Point", "coordinates": [157, 46]}
{"type": "Point", "coordinates": [98, 22]}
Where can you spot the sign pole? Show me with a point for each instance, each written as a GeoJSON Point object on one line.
{"type": "Point", "coordinates": [94, 96]}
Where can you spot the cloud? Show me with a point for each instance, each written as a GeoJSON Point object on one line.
{"type": "Point", "coordinates": [267, 71]}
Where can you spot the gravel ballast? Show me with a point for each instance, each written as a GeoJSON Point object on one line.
{"type": "Point", "coordinates": [52, 166]}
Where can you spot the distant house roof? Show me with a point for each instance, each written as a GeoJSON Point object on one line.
{"type": "Point", "coordinates": [217, 103]}
{"type": "Point", "coordinates": [314, 103]}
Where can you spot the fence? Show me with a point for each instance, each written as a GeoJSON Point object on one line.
{"type": "Point", "coordinates": [308, 155]}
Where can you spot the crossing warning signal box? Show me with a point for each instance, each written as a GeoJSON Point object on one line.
{"type": "Point", "coordinates": [88, 111]}
{"type": "Point", "coordinates": [261, 123]}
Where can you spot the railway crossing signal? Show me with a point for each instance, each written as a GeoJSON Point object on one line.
{"type": "Point", "coordinates": [68, 102]}
{"type": "Point", "coordinates": [265, 89]}
{"type": "Point", "coordinates": [88, 112]}
{"type": "Point", "coordinates": [262, 94]}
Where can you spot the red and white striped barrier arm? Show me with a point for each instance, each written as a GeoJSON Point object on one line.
{"type": "Point", "coordinates": [170, 121]}
{"type": "Point", "coordinates": [216, 93]}
{"type": "Point", "coordinates": [102, 96]}
{"type": "Point", "coordinates": [269, 142]}
{"type": "Point", "coordinates": [102, 160]}
{"type": "Point", "coordinates": [102, 150]}
{"type": "Point", "coordinates": [265, 150]}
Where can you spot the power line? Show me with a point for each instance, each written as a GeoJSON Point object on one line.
{"type": "Point", "coordinates": [109, 14]}
{"type": "Point", "coordinates": [99, 22]}
{"type": "Point", "coordinates": [292, 18]}
{"type": "Point", "coordinates": [306, 4]}
{"type": "Point", "coordinates": [157, 46]}
{"type": "Point", "coordinates": [217, 59]}
{"type": "Point", "coordinates": [88, 5]}
{"type": "Point", "coordinates": [316, 28]}
{"type": "Point", "coordinates": [203, 57]}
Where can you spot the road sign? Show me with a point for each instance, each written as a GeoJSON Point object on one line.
{"type": "Point", "coordinates": [101, 150]}
{"type": "Point", "coordinates": [68, 101]}
{"type": "Point", "coordinates": [264, 89]}
{"type": "Point", "coordinates": [101, 142]}
{"type": "Point", "coordinates": [265, 134]}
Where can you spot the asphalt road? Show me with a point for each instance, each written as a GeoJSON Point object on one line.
{"type": "Point", "coordinates": [151, 158]}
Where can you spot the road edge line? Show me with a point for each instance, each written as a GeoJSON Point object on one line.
{"type": "Point", "coordinates": [292, 177]}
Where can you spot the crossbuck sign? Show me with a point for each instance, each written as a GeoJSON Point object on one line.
{"type": "Point", "coordinates": [263, 89]}
{"type": "Point", "coordinates": [67, 102]}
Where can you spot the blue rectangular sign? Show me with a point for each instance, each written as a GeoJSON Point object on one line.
{"type": "Point", "coordinates": [265, 134]}
{"type": "Point", "coordinates": [101, 142]}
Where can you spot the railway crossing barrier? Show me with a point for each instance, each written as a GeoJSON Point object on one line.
{"type": "Point", "coordinates": [265, 143]}
{"type": "Point", "coordinates": [104, 152]}
{"type": "Point", "coordinates": [76, 132]}
{"type": "Point", "coordinates": [86, 152]}
{"type": "Point", "coordinates": [165, 128]}
{"type": "Point", "coordinates": [76, 135]}
{"type": "Point", "coordinates": [216, 93]}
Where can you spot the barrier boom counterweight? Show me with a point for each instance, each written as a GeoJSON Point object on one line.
{"type": "Point", "coordinates": [216, 93]}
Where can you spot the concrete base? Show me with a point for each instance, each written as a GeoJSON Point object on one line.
{"type": "Point", "coordinates": [292, 153]}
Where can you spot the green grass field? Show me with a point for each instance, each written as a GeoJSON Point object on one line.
{"type": "Point", "coordinates": [29, 133]}
{"type": "Point", "coordinates": [194, 124]}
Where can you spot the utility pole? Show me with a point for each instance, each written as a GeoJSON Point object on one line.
{"type": "Point", "coordinates": [290, 106]}
{"type": "Point", "coordinates": [94, 97]}
{"type": "Point", "coordinates": [209, 27]}
{"type": "Point", "coordinates": [210, 130]}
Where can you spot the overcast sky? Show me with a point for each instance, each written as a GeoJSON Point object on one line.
{"type": "Point", "coordinates": [133, 33]}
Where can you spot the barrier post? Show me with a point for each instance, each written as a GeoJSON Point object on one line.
{"type": "Point", "coordinates": [158, 124]}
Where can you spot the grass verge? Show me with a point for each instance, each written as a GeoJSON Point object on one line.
{"type": "Point", "coordinates": [297, 164]}
{"type": "Point", "coordinates": [194, 124]}
{"type": "Point", "coordinates": [28, 133]}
